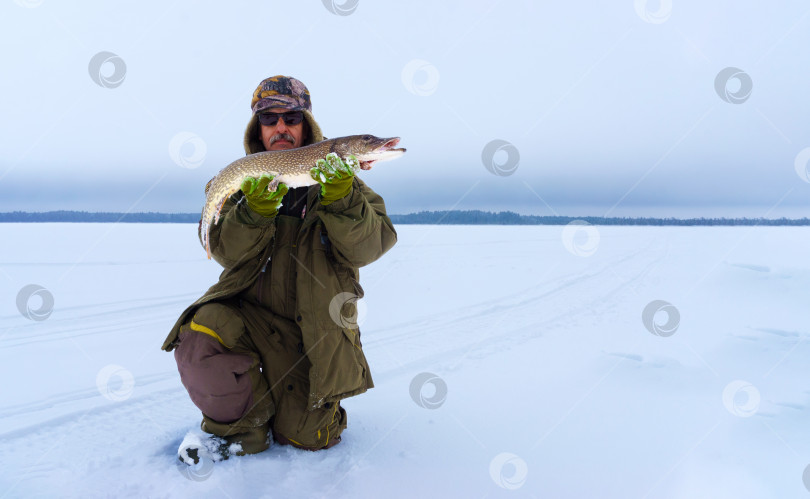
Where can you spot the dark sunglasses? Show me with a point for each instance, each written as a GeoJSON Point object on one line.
{"type": "Point", "coordinates": [290, 118]}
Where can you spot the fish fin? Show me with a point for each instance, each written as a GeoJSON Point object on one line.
{"type": "Point", "coordinates": [222, 203]}
{"type": "Point", "coordinates": [204, 234]}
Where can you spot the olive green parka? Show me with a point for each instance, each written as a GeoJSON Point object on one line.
{"type": "Point", "coordinates": [334, 241]}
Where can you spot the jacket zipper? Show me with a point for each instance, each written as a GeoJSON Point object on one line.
{"type": "Point", "coordinates": [260, 281]}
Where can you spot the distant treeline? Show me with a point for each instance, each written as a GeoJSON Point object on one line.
{"type": "Point", "coordinates": [101, 217]}
{"type": "Point", "coordinates": [477, 217]}
{"type": "Point", "coordinates": [456, 217]}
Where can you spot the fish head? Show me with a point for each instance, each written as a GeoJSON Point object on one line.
{"type": "Point", "coordinates": [369, 149]}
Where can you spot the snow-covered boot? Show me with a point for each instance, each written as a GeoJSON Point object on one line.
{"type": "Point", "coordinates": [198, 446]}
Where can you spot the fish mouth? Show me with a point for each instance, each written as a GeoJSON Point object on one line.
{"type": "Point", "coordinates": [391, 143]}
{"type": "Point", "coordinates": [385, 151]}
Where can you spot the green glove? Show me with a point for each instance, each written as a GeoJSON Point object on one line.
{"type": "Point", "coordinates": [261, 199]}
{"type": "Point", "coordinates": [335, 176]}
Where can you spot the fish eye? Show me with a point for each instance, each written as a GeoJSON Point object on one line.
{"type": "Point", "coordinates": [366, 137]}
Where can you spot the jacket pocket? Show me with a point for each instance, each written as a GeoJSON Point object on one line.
{"type": "Point", "coordinates": [220, 322]}
{"type": "Point", "coordinates": [353, 335]}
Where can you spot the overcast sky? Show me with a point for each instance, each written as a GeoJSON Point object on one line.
{"type": "Point", "coordinates": [600, 108]}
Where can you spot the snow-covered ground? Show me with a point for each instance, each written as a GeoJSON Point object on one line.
{"type": "Point", "coordinates": [509, 362]}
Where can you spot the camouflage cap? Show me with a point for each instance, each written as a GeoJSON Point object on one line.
{"type": "Point", "coordinates": [281, 91]}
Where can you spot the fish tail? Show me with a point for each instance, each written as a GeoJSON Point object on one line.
{"type": "Point", "coordinates": [219, 204]}
{"type": "Point", "coordinates": [205, 239]}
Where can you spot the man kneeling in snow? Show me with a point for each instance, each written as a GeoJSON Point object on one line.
{"type": "Point", "coordinates": [261, 354]}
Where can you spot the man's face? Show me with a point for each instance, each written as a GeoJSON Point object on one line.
{"type": "Point", "coordinates": [281, 135]}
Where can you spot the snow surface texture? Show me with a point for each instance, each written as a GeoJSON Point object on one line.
{"type": "Point", "coordinates": [509, 362]}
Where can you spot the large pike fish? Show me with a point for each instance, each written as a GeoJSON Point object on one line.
{"type": "Point", "coordinates": [291, 167]}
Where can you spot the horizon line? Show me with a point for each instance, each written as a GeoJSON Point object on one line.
{"type": "Point", "coordinates": [513, 215]}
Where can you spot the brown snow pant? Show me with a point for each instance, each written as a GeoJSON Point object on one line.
{"type": "Point", "coordinates": [245, 369]}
